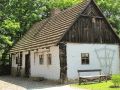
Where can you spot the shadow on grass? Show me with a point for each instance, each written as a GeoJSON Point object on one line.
{"type": "Point", "coordinates": [115, 86]}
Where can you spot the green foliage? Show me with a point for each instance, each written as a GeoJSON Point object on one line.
{"type": "Point", "coordinates": [11, 24]}
{"type": "Point", "coordinates": [116, 80]}
{"type": "Point", "coordinates": [111, 9]}
{"type": "Point", "coordinates": [62, 4]}
{"type": "Point", "coordinates": [16, 17]}
{"type": "Point", "coordinates": [6, 39]}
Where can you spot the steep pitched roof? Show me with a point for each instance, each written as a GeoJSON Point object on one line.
{"type": "Point", "coordinates": [51, 30]}
{"type": "Point", "coordinates": [48, 32]}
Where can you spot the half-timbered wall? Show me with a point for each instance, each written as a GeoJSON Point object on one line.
{"type": "Point", "coordinates": [90, 27]}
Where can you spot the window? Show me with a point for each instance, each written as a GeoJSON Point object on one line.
{"type": "Point", "coordinates": [84, 58]}
{"type": "Point", "coordinates": [49, 57]}
{"type": "Point", "coordinates": [20, 59]}
{"type": "Point", "coordinates": [16, 60]}
{"type": "Point", "coordinates": [41, 59]}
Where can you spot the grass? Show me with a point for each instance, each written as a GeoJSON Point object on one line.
{"type": "Point", "coordinates": [96, 86]}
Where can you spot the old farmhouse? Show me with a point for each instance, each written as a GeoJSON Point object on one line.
{"type": "Point", "coordinates": [79, 37]}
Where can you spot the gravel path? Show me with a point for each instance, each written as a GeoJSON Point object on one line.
{"type": "Point", "coordinates": [14, 83]}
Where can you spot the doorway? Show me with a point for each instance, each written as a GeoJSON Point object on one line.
{"type": "Point", "coordinates": [27, 65]}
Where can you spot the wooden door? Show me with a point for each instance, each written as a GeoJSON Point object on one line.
{"type": "Point", "coordinates": [27, 65]}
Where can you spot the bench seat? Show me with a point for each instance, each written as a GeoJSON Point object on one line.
{"type": "Point", "coordinates": [98, 77]}
{"type": "Point", "coordinates": [92, 76]}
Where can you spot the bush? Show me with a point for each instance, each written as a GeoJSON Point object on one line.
{"type": "Point", "coordinates": [116, 80]}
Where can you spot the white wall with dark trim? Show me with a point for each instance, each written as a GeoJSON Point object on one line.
{"type": "Point", "coordinates": [52, 71]}
{"type": "Point", "coordinates": [74, 51]}
{"type": "Point", "coordinates": [23, 59]}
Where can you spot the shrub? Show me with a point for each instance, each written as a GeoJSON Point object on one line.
{"type": "Point", "coordinates": [116, 80]}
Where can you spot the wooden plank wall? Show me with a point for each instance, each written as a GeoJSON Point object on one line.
{"type": "Point", "coordinates": [90, 27]}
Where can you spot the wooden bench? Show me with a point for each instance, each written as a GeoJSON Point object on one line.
{"type": "Point", "coordinates": [86, 79]}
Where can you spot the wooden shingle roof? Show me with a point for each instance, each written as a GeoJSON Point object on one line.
{"type": "Point", "coordinates": [49, 31]}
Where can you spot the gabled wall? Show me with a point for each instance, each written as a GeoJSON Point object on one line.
{"type": "Point", "coordinates": [74, 58]}
{"type": "Point", "coordinates": [91, 27]}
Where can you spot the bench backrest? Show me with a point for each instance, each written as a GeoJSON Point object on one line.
{"type": "Point", "coordinates": [91, 70]}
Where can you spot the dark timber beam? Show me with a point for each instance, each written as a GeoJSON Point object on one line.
{"type": "Point", "coordinates": [90, 16]}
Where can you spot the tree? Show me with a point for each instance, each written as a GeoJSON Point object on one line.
{"type": "Point", "coordinates": [16, 17]}
{"type": "Point", "coordinates": [62, 4]}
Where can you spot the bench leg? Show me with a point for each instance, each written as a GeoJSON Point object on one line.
{"type": "Point", "coordinates": [79, 81]}
{"type": "Point", "coordinates": [100, 78]}
{"type": "Point", "coordinates": [106, 78]}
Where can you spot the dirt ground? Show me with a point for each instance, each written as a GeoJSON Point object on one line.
{"type": "Point", "coordinates": [17, 83]}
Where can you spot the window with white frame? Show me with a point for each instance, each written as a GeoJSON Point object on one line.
{"type": "Point", "coordinates": [49, 59]}
{"type": "Point", "coordinates": [41, 61]}
{"type": "Point", "coordinates": [85, 58]}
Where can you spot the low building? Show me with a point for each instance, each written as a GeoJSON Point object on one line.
{"type": "Point", "coordinates": [79, 37]}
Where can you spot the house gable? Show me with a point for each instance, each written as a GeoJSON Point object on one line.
{"type": "Point", "coordinates": [91, 27]}
{"type": "Point", "coordinates": [91, 10]}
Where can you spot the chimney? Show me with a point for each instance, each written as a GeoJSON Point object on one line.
{"type": "Point", "coordinates": [55, 11]}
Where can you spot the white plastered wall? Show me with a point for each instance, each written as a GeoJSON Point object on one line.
{"type": "Point", "coordinates": [52, 71]}
{"type": "Point", "coordinates": [74, 58]}
{"type": "Point", "coordinates": [14, 61]}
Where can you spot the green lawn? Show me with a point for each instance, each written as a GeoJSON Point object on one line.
{"type": "Point", "coordinates": [96, 86]}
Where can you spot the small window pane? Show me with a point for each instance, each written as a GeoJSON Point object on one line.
{"type": "Point", "coordinates": [49, 57]}
{"type": "Point", "coordinates": [41, 59]}
{"type": "Point", "coordinates": [20, 58]}
{"type": "Point", "coordinates": [84, 58]}
{"type": "Point", "coordinates": [16, 60]}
